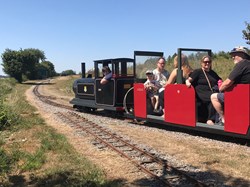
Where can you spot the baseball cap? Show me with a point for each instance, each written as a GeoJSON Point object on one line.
{"type": "Point", "coordinates": [149, 72]}
{"type": "Point", "coordinates": [240, 49]}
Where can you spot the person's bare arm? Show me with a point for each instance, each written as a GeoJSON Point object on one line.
{"type": "Point", "coordinates": [104, 81]}
{"type": "Point", "coordinates": [172, 77]}
{"type": "Point", "coordinates": [226, 84]}
{"type": "Point", "coordinates": [188, 81]}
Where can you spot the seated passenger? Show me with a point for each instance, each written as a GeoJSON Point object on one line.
{"type": "Point", "coordinates": [203, 80]}
{"type": "Point", "coordinates": [107, 75]}
{"type": "Point", "coordinates": [152, 86]}
{"type": "Point", "coordinates": [239, 75]}
{"type": "Point", "coordinates": [160, 73]}
{"type": "Point", "coordinates": [186, 70]}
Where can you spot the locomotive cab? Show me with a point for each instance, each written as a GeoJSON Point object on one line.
{"type": "Point", "coordinates": [90, 94]}
{"type": "Point", "coordinates": [112, 93]}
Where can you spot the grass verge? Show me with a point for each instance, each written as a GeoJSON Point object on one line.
{"type": "Point", "coordinates": [33, 153]}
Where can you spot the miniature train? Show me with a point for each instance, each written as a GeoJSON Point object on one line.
{"type": "Point", "coordinates": [125, 93]}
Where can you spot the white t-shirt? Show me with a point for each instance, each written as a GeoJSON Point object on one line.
{"type": "Point", "coordinates": [161, 77]}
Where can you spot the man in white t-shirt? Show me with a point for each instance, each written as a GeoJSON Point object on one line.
{"type": "Point", "coordinates": [160, 74]}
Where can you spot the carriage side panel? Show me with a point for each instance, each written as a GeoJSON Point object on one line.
{"type": "Point", "coordinates": [179, 104]}
{"type": "Point", "coordinates": [140, 104]}
{"type": "Point", "coordinates": [237, 109]}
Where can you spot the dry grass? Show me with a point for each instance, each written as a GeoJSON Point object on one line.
{"type": "Point", "coordinates": [36, 154]}
{"type": "Point", "coordinates": [64, 85]}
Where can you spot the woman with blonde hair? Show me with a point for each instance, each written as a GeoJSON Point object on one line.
{"type": "Point", "coordinates": [186, 71]}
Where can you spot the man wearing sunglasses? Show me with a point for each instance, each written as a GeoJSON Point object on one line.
{"type": "Point", "coordinates": [239, 75]}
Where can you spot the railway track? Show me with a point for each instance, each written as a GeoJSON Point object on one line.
{"type": "Point", "coordinates": [157, 168]}
{"type": "Point", "coordinates": [48, 99]}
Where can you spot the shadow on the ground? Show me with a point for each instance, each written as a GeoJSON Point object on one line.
{"type": "Point", "coordinates": [209, 178]}
{"type": "Point", "coordinates": [63, 179]}
{"type": "Point", "coordinates": [38, 83]}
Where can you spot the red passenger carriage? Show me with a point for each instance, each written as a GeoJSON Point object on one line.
{"type": "Point", "coordinates": [180, 106]}
{"type": "Point", "coordinates": [126, 92]}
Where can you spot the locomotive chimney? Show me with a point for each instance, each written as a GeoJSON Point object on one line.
{"type": "Point", "coordinates": [83, 69]}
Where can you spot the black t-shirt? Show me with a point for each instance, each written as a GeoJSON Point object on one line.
{"type": "Point", "coordinates": [203, 91]}
{"type": "Point", "coordinates": [241, 73]}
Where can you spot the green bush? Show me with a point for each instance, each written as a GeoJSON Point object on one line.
{"type": "Point", "coordinates": [68, 72]}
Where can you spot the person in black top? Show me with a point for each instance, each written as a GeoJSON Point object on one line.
{"type": "Point", "coordinates": [203, 80]}
{"type": "Point", "coordinates": [239, 75]}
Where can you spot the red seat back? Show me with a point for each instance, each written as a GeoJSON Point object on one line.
{"type": "Point", "coordinates": [179, 104]}
{"type": "Point", "coordinates": [237, 109]}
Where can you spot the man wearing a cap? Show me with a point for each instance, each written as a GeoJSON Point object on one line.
{"type": "Point", "coordinates": [239, 75]}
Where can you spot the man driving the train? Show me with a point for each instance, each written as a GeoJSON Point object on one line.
{"type": "Point", "coordinates": [107, 74]}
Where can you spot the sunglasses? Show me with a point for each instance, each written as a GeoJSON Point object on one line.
{"type": "Point", "coordinates": [207, 62]}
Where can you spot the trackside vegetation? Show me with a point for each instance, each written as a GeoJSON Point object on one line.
{"type": "Point", "coordinates": [32, 153]}
{"type": "Point", "coordinates": [27, 64]}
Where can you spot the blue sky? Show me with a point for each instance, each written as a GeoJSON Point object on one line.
{"type": "Point", "coordinates": [73, 31]}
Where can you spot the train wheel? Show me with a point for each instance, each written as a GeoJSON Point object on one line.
{"type": "Point", "coordinates": [85, 109]}
{"type": "Point", "coordinates": [129, 109]}
{"type": "Point", "coordinates": [89, 109]}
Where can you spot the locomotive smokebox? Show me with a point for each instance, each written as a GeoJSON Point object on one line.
{"type": "Point", "coordinates": [83, 69]}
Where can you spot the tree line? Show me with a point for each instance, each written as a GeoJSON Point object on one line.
{"type": "Point", "coordinates": [27, 64]}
